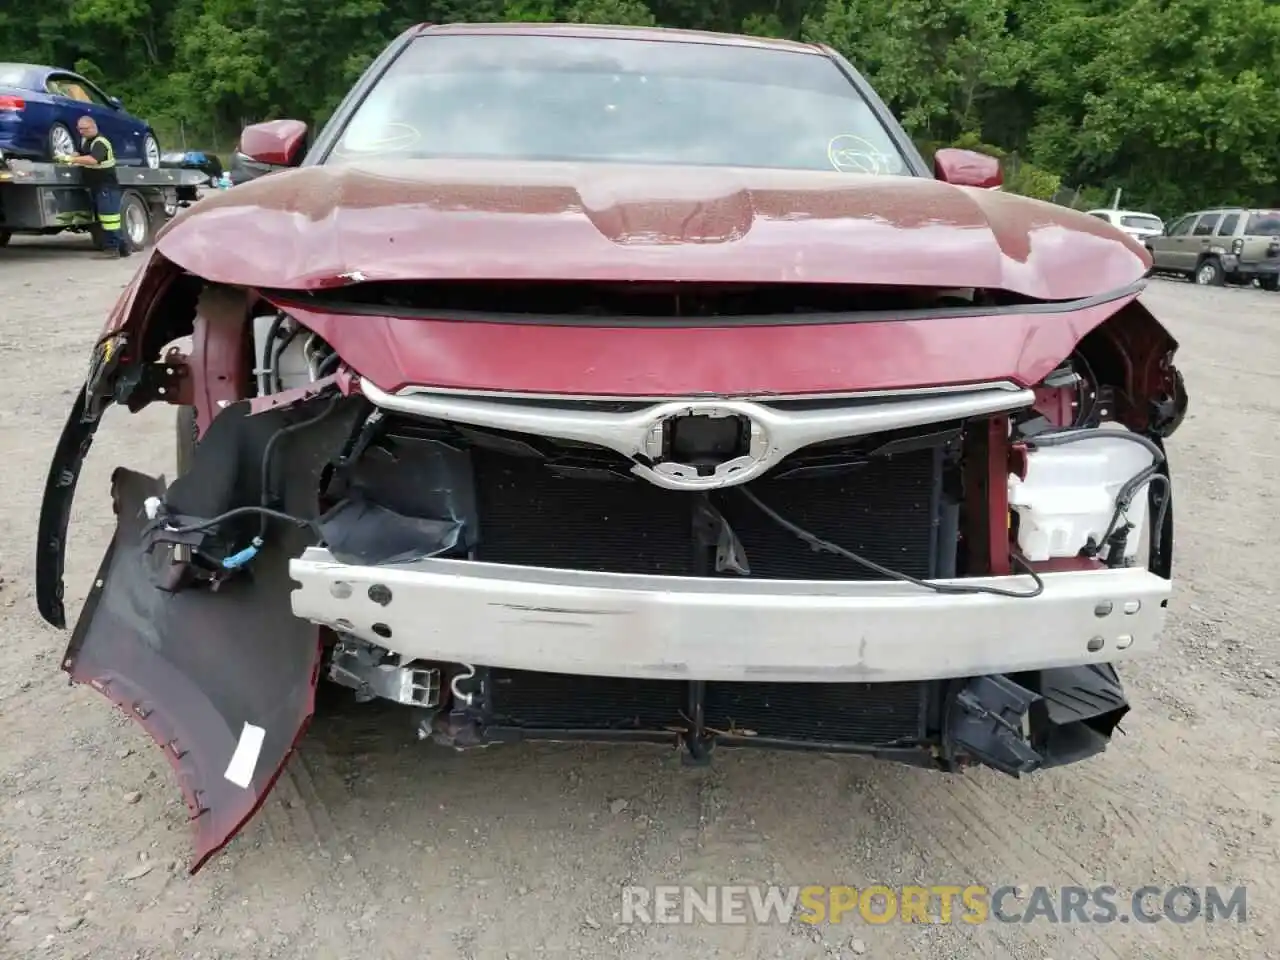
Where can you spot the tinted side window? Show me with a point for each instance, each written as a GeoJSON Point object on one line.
{"type": "Point", "coordinates": [96, 93]}
{"type": "Point", "coordinates": [1205, 225]}
{"type": "Point", "coordinates": [1182, 227]}
{"type": "Point", "coordinates": [1228, 225]}
{"type": "Point", "coordinates": [1264, 223]}
{"type": "Point", "coordinates": [72, 88]}
{"type": "Point", "coordinates": [1100, 216]}
{"type": "Point", "coordinates": [83, 91]}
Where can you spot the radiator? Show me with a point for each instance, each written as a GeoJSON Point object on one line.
{"type": "Point", "coordinates": [885, 509]}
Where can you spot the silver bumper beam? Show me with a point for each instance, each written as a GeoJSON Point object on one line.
{"type": "Point", "coordinates": [677, 628]}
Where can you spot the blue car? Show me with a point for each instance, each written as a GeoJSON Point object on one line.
{"type": "Point", "coordinates": [39, 107]}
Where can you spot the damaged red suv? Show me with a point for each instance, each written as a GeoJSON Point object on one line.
{"type": "Point", "coordinates": [627, 385]}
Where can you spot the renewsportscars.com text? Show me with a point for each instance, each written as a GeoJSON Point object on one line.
{"type": "Point", "coordinates": [940, 903]}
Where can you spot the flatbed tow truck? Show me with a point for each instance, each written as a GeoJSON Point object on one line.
{"type": "Point", "coordinates": [43, 199]}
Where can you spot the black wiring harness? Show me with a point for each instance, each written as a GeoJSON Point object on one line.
{"type": "Point", "coordinates": [1051, 438]}
{"type": "Point", "coordinates": [265, 511]}
{"type": "Point", "coordinates": [949, 588]}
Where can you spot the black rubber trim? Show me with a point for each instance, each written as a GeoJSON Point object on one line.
{"type": "Point", "coordinates": [55, 511]}
{"type": "Point", "coordinates": [1160, 562]}
{"type": "Point", "coordinates": [295, 298]}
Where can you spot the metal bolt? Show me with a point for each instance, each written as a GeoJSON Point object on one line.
{"type": "Point", "coordinates": [1132, 606]}
{"type": "Point", "coordinates": [1104, 608]}
{"type": "Point", "coordinates": [1096, 644]}
{"type": "Point", "coordinates": [1124, 642]}
{"type": "Point", "coordinates": [380, 594]}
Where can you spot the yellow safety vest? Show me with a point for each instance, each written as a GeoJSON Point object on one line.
{"type": "Point", "coordinates": [111, 152]}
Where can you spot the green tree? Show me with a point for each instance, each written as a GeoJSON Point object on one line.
{"type": "Point", "coordinates": [935, 61]}
{"type": "Point", "coordinates": [631, 13]}
{"type": "Point", "coordinates": [1173, 101]}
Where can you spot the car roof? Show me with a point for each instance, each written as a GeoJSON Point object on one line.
{"type": "Point", "coordinates": [667, 34]}
{"type": "Point", "coordinates": [25, 71]}
{"type": "Point", "coordinates": [34, 74]}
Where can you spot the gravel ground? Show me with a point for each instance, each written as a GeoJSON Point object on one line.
{"type": "Point", "coordinates": [374, 846]}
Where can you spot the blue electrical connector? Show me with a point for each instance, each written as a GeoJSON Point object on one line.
{"type": "Point", "coordinates": [244, 556]}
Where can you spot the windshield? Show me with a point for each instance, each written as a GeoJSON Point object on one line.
{"type": "Point", "coordinates": [522, 97]}
{"type": "Point", "coordinates": [1264, 223]}
{"type": "Point", "coordinates": [1139, 222]}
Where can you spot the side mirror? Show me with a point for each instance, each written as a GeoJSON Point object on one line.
{"type": "Point", "coordinates": [967, 168]}
{"type": "Point", "coordinates": [279, 143]}
{"type": "Point", "coordinates": [116, 102]}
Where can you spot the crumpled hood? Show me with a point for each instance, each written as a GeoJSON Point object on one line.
{"type": "Point", "coordinates": [318, 227]}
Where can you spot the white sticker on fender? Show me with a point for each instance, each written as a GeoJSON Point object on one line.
{"type": "Point", "coordinates": [245, 760]}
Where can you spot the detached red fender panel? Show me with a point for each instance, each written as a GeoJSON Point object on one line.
{"type": "Point", "coordinates": [223, 680]}
{"type": "Point", "coordinates": [224, 684]}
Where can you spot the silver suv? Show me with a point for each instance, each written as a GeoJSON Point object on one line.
{"type": "Point", "coordinates": [1219, 246]}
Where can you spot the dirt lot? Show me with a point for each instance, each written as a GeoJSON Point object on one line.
{"type": "Point", "coordinates": [374, 846]}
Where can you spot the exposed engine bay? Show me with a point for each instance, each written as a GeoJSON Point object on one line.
{"type": "Point", "coordinates": [315, 508]}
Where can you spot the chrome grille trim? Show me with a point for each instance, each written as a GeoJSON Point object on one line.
{"type": "Point", "coordinates": [777, 433]}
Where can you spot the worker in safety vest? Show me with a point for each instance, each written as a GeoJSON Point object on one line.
{"type": "Point", "coordinates": [98, 158]}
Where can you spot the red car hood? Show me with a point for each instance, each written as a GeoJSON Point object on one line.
{"type": "Point", "coordinates": [324, 226]}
